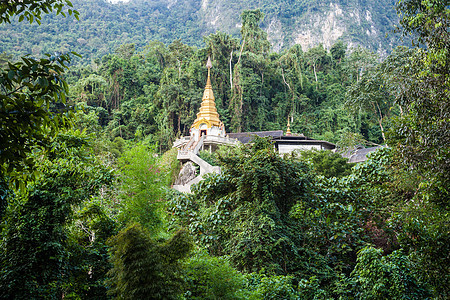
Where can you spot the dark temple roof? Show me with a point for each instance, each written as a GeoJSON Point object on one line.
{"type": "Point", "coordinates": [247, 137]}
{"type": "Point", "coordinates": [278, 137]}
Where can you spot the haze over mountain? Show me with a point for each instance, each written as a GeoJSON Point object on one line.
{"type": "Point", "coordinates": [105, 25]}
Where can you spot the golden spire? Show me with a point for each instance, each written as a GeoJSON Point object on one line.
{"type": "Point", "coordinates": [288, 131]}
{"type": "Point", "coordinates": [208, 112]}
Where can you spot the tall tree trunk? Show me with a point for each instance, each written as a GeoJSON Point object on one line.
{"type": "Point", "coordinates": [315, 74]}
{"type": "Point", "coordinates": [237, 101]}
{"type": "Point", "coordinates": [231, 71]}
{"type": "Point", "coordinates": [290, 90]}
{"type": "Point", "coordinates": [299, 70]}
{"type": "Point", "coordinates": [380, 119]}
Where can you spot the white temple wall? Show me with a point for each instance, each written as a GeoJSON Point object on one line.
{"type": "Point", "coordinates": [289, 148]}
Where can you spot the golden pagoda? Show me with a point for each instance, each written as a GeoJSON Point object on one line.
{"type": "Point", "coordinates": [207, 121]}
{"type": "Point", "coordinates": [207, 132]}
{"type": "Point", "coordinates": [288, 131]}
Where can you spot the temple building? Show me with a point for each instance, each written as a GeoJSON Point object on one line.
{"type": "Point", "coordinates": [207, 131]}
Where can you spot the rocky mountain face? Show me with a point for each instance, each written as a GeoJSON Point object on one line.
{"type": "Point", "coordinates": [309, 23]}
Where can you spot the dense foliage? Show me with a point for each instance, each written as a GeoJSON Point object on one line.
{"type": "Point", "coordinates": [85, 205]}
{"type": "Point", "coordinates": [309, 234]}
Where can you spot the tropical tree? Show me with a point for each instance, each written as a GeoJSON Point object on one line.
{"type": "Point", "coordinates": [327, 163]}
{"type": "Point", "coordinates": [32, 93]}
{"type": "Point", "coordinates": [35, 249]}
{"type": "Point", "coordinates": [249, 69]}
{"type": "Point", "coordinates": [32, 9]}
{"type": "Point", "coordinates": [142, 184]}
{"type": "Point", "coordinates": [144, 268]}
{"type": "Point", "coordinates": [383, 277]}
{"type": "Point", "coordinates": [369, 95]}
{"type": "Point", "coordinates": [421, 135]}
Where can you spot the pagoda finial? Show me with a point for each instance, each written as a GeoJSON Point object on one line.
{"type": "Point", "coordinates": [288, 131]}
{"type": "Point", "coordinates": [209, 66]}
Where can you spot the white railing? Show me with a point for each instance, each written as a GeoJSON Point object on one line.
{"type": "Point", "coordinates": [181, 141]}
{"type": "Point", "coordinates": [199, 144]}
{"type": "Point", "coordinates": [220, 139]}
{"type": "Point", "coordinates": [188, 144]}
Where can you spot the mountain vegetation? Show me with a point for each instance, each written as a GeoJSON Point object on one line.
{"type": "Point", "coordinates": [155, 93]}
{"type": "Point", "coordinates": [103, 26]}
{"type": "Point", "coordinates": [86, 164]}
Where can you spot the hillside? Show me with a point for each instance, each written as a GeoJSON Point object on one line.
{"type": "Point", "coordinates": [103, 26]}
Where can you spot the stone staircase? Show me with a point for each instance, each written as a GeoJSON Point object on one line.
{"type": "Point", "coordinates": [189, 153]}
